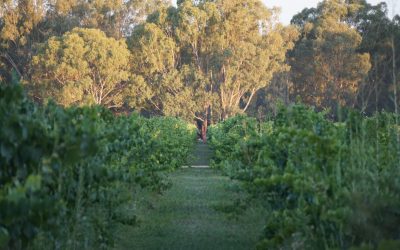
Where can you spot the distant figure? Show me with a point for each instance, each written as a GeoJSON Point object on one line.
{"type": "Point", "coordinates": [201, 131]}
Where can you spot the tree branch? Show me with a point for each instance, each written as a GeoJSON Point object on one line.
{"type": "Point", "coordinates": [13, 64]}
{"type": "Point", "coordinates": [250, 98]}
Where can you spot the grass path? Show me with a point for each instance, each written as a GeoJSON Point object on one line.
{"type": "Point", "coordinates": [202, 155]}
{"type": "Point", "coordinates": [189, 216]}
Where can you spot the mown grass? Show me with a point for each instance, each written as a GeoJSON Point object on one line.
{"type": "Point", "coordinates": [202, 155]}
{"type": "Point", "coordinates": [190, 216]}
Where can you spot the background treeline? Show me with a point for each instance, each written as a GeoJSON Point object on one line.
{"type": "Point", "coordinates": [347, 55]}
{"type": "Point", "coordinates": [202, 60]}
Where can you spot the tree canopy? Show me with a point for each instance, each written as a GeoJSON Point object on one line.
{"type": "Point", "coordinates": [83, 67]}
{"type": "Point", "coordinates": [26, 23]}
{"type": "Point", "coordinates": [205, 60]}
{"type": "Point", "coordinates": [327, 68]}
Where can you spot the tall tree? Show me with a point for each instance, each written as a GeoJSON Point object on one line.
{"type": "Point", "coordinates": [327, 68]}
{"type": "Point", "coordinates": [116, 18]}
{"type": "Point", "coordinates": [209, 57]}
{"type": "Point", "coordinates": [378, 32]}
{"type": "Point", "coordinates": [83, 67]}
{"type": "Point", "coordinates": [18, 34]}
{"type": "Point", "coordinates": [26, 23]}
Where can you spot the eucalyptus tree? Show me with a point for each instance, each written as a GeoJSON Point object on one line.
{"type": "Point", "coordinates": [83, 67]}
{"type": "Point", "coordinates": [115, 17]}
{"type": "Point", "coordinates": [327, 67]}
{"type": "Point", "coordinates": [18, 34]}
{"type": "Point", "coordinates": [26, 23]}
{"type": "Point", "coordinates": [205, 60]}
{"type": "Point", "coordinates": [381, 35]}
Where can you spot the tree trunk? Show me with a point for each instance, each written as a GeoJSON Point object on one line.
{"type": "Point", "coordinates": [204, 126]}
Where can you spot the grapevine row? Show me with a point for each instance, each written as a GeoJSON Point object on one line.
{"type": "Point", "coordinates": [66, 173]}
{"type": "Point", "coordinates": [324, 184]}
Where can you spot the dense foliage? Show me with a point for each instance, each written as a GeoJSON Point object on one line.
{"type": "Point", "coordinates": [198, 65]}
{"type": "Point", "coordinates": [326, 66]}
{"type": "Point", "coordinates": [327, 185]}
{"type": "Point", "coordinates": [82, 67]}
{"type": "Point", "coordinates": [347, 54]}
{"type": "Point", "coordinates": [65, 173]}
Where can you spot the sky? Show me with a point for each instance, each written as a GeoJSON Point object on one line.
{"type": "Point", "coordinates": [291, 7]}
